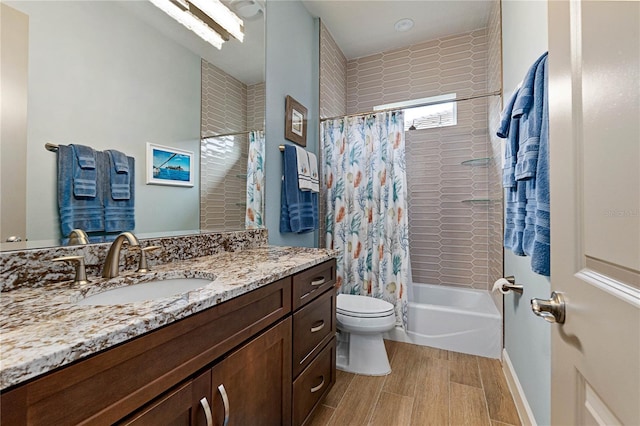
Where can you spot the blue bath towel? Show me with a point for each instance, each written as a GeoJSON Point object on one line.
{"type": "Point", "coordinates": [119, 215]}
{"type": "Point", "coordinates": [84, 171]}
{"type": "Point", "coordinates": [298, 209]}
{"type": "Point", "coordinates": [119, 179]}
{"type": "Point", "coordinates": [541, 251]}
{"type": "Point", "coordinates": [526, 178]}
{"type": "Point", "coordinates": [85, 213]}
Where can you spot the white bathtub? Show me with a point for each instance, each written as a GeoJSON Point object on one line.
{"type": "Point", "coordinates": [451, 318]}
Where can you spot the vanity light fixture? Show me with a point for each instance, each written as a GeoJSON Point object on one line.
{"type": "Point", "coordinates": [222, 15]}
{"type": "Point", "coordinates": [209, 19]}
{"type": "Point", "coordinates": [189, 21]}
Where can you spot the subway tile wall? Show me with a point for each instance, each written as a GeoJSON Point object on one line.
{"type": "Point", "coordinates": [228, 105]}
{"type": "Point", "coordinates": [450, 203]}
{"type": "Point", "coordinates": [494, 82]}
{"type": "Point", "coordinates": [333, 96]}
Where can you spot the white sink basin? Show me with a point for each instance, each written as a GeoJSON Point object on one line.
{"type": "Point", "coordinates": [148, 290]}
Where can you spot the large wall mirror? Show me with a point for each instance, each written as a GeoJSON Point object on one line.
{"type": "Point", "coordinates": [119, 75]}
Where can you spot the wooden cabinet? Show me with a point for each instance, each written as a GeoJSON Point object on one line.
{"type": "Point", "coordinates": [186, 405]}
{"type": "Point", "coordinates": [314, 341]}
{"type": "Point", "coordinates": [248, 358]}
{"type": "Point", "coordinates": [252, 386]}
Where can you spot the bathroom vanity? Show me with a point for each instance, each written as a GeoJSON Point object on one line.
{"type": "Point", "coordinates": [256, 346]}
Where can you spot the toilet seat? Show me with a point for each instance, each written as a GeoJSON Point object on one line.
{"type": "Point", "coordinates": [363, 306]}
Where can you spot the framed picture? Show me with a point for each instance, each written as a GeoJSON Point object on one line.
{"type": "Point", "coordinates": [169, 166]}
{"type": "Point", "coordinates": [295, 123]}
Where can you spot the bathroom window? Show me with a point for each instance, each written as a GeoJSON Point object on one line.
{"type": "Point", "coordinates": [418, 117]}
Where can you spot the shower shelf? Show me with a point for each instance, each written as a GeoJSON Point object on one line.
{"type": "Point", "coordinates": [241, 175]}
{"type": "Point", "coordinates": [477, 162]}
{"type": "Point", "coordinates": [478, 200]}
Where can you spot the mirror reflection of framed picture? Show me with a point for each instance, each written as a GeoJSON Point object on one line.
{"type": "Point", "coordinates": [295, 123]}
{"type": "Point", "coordinates": [169, 166]}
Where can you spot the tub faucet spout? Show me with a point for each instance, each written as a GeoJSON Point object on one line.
{"type": "Point", "coordinates": [112, 262]}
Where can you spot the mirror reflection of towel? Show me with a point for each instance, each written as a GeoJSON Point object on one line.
{"type": "Point", "coordinates": [86, 213]}
{"type": "Point", "coordinates": [84, 171]}
{"type": "Point", "coordinates": [119, 214]}
{"type": "Point", "coordinates": [119, 179]}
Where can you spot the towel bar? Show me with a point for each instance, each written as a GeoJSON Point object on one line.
{"type": "Point", "coordinates": [51, 147]}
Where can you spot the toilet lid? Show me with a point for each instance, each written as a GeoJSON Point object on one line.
{"type": "Point", "coordinates": [363, 306]}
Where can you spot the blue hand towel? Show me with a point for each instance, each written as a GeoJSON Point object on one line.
{"type": "Point", "coordinates": [298, 211]}
{"type": "Point", "coordinates": [84, 171]}
{"type": "Point", "coordinates": [85, 213]}
{"type": "Point", "coordinates": [119, 215]}
{"type": "Point", "coordinates": [528, 107]}
{"type": "Point", "coordinates": [119, 179]}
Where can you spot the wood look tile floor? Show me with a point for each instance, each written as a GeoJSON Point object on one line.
{"type": "Point", "coordinates": [426, 386]}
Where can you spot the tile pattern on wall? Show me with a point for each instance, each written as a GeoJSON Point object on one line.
{"type": "Point", "coordinates": [256, 102]}
{"type": "Point", "coordinates": [333, 76]}
{"type": "Point", "coordinates": [454, 64]}
{"type": "Point", "coordinates": [333, 96]}
{"type": "Point", "coordinates": [228, 105]}
{"type": "Point", "coordinates": [494, 82]}
{"type": "Point", "coordinates": [449, 237]}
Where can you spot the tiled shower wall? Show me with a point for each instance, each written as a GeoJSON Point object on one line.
{"type": "Point", "coordinates": [333, 95]}
{"type": "Point", "coordinates": [228, 105]}
{"type": "Point", "coordinates": [449, 202]}
{"type": "Point", "coordinates": [494, 105]}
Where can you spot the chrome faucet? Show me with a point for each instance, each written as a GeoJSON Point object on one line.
{"type": "Point", "coordinates": [112, 262]}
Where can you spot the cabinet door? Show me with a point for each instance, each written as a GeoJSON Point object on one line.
{"type": "Point", "coordinates": [252, 386]}
{"type": "Point", "coordinates": [182, 406]}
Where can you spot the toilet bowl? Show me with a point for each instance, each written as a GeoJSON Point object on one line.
{"type": "Point", "coordinates": [361, 321]}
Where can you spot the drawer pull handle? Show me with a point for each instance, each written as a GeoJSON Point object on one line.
{"type": "Point", "coordinates": [318, 281]}
{"type": "Point", "coordinates": [225, 401]}
{"type": "Point", "coordinates": [317, 388]}
{"type": "Point", "coordinates": [318, 327]}
{"type": "Point", "coordinates": [207, 411]}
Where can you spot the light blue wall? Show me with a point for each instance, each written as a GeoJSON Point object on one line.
{"type": "Point", "coordinates": [527, 338]}
{"type": "Point", "coordinates": [292, 68]}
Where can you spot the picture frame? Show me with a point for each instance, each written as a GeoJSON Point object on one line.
{"type": "Point", "coordinates": [295, 123]}
{"type": "Point", "coordinates": [169, 166]}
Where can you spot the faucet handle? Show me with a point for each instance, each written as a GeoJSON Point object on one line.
{"type": "Point", "coordinates": [143, 266]}
{"type": "Point", "coordinates": [81, 273]}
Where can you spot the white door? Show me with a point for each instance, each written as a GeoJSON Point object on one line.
{"type": "Point", "coordinates": [594, 91]}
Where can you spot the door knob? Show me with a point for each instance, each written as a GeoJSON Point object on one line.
{"type": "Point", "coordinates": [552, 310]}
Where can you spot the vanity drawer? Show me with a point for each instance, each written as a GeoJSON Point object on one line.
{"type": "Point", "coordinates": [314, 383]}
{"type": "Point", "coordinates": [312, 327]}
{"type": "Point", "coordinates": [309, 284]}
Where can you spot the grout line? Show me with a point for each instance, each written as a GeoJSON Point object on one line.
{"type": "Point", "coordinates": [344, 393]}
{"type": "Point", "coordinates": [375, 404]}
{"type": "Point", "coordinates": [332, 414]}
{"type": "Point", "coordinates": [484, 392]}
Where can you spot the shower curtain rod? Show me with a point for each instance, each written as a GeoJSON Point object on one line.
{"type": "Point", "coordinates": [444, 101]}
{"type": "Point", "coordinates": [246, 132]}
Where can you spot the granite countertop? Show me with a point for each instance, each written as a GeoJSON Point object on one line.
{"type": "Point", "coordinates": [42, 328]}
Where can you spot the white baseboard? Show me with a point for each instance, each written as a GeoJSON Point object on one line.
{"type": "Point", "coordinates": [522, 405]}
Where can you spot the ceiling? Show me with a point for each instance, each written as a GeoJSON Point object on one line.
{"type": "Point", "coordinates": [366, 27]}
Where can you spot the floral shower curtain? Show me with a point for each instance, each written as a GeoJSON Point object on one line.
{"type": "Point", "coordinates": [255, 181]}
{"type": "Point", "coordinates": [365, 181]}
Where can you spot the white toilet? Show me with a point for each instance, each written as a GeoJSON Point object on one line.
{"type": "Point", "coordinates": [361, 322]}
